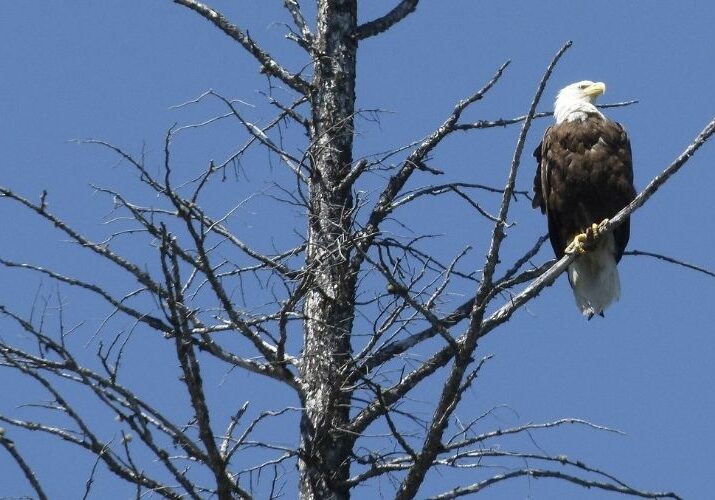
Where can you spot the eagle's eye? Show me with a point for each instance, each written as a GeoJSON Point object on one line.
{"type": "Point", "coordinates": [583, 86]}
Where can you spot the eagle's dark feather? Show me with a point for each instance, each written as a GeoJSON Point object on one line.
{"type": "Point", "coordinates": [584, 175]}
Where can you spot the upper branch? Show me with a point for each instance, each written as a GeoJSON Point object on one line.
{"type": "Point", "coordinates": [498, 232]}
{"type": "Point", "coordinates": [384, 23]}
{"type": "Point", "coordinates": [414, 161]}
{"type": "Point", "coordinates": [503, 122]}
{"type": "Point", "coordinates": [268, 64]}
{"type": "Point", "coordinates": [294, 9]}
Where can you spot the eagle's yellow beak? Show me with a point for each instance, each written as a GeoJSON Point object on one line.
{"type": "Point", "coordinates": [595, 90]}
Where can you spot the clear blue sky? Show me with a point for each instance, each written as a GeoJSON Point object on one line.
{"type": "Point", "coordinates": [111, 70]}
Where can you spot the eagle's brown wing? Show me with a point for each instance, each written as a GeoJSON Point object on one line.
{"type": "Point", "coordinates": [584, 175]}
{"type": "Point", "coordinates": [538, 200]}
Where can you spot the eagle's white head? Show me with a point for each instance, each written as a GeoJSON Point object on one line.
{"type": "Point", "coordinates": [575, 101]}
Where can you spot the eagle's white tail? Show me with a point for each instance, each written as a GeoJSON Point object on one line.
{"type": "Point", "coordinates": [594, 278]}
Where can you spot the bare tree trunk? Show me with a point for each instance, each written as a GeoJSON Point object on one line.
{"type": "Point", "coordinates": [329, 302]}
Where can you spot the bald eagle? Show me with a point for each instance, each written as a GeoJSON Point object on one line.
{"type": "Point", "coordinates": [584, 176]}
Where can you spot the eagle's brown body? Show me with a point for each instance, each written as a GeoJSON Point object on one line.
{"type": "Point", "coordinates": [584, 175]}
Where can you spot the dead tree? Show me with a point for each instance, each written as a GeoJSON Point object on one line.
{"type": "Point", "coordinates": [349, 305]}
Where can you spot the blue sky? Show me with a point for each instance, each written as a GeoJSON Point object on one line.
{"type": "Point", "coordinates": [112, 70]}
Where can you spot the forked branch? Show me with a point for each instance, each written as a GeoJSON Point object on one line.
{"type": "Point", "coordinates": [268, 63]}
{"type": "Point", "coordinates": [414, 161]}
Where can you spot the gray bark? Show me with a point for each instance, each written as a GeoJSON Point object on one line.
{"type": "Point", "coordinates": [329, 302]}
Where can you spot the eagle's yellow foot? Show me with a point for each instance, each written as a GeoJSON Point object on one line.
{"type": "Point", "coordinates": [578, 246]}
{"type": "Point", "coordinates": [585, 241]}
{"type": "Point", "coordinates": [595, 229]}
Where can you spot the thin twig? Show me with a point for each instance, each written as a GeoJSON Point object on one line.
{"type": "Point", "coordinates": [672, 261]}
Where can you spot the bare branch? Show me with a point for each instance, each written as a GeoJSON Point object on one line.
{"type": "Point", "coordinates": [184, 208]}
{"type": "Point", "coordinates": [268, 64]}
{"type": "Point", "coordinates": [454, 445]}
{"type": "Point", "coordinates": [294, 9]}
{"type": "Point", "coordinates": [192, 373]}
{"type": "Point", "coordinates": [453, 187]}
{"type": "Point", "coordinates": [541, 473]}
{"type": "Point", "coordinates": [150, 320]}
{"type": "Point", "coordinates": [398, 347]}
{"type": "Point", "coordinates": [503, 122]}
{"type": "Point", "coordinates": [498, 232]}
{"type": "Point", "coordinates": [85, 438]}
{"type": "Point", "coordinates": [102, 250]}
{"type": "Point", "coordinates": [384, 23]}
{"type": "Point", "coordinates": [414, 161]}
{"type": "Point", "coordinates": [295, 164]}
{"type": "Point", "coordinates": [525, 258]}
{"type": "Point", "coordinates": [29, 474]}
{"type": "Point", "coordinates": [424, 310]}
{"type": "Point", "coordinates": [671, 260]}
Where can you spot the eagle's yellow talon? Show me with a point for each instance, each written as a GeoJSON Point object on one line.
{"type": "Point", "coordinates": [595, 230]}
{"type": "Point", "coordinates": [577, 245]}
{"type": "Point", "coordinates": [585, 241]}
